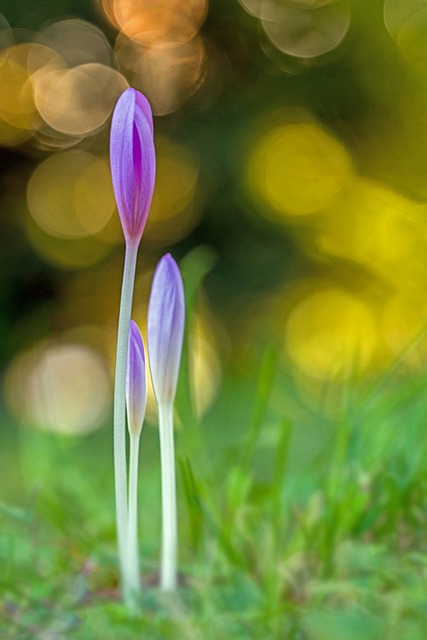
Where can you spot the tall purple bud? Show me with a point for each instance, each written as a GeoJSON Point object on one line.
{"type": "Point", "coordinates": [166, 316]}
{"type": "Point", "coordinates": [136, 401]}
{"type": "Point", "coordinates": [133, 161]}
{"type": "Point", "coordinates": [133, 168]}
{"type": "Point", "coordinates": [136, 388]}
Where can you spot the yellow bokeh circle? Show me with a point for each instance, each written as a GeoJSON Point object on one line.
{"type": "Point", "coordinates": [404, 329]}
{"type": "Point", "coordinates": [331, 334]}
{"type": "Point", "coordinates": [70, 194]}
{"type": "Point", "coordinates": [381, 230]}
{"type": "Point", "coordinates": [297, 169]}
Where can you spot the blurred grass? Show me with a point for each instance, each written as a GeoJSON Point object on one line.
{"type": "Point", "coordinates": [277, 539]}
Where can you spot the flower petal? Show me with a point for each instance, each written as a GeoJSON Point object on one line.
{"type": "Point", "coordinates": [166, 317]}
{"type": "Point", "coordinates": [133, 161]}
{"type": "Point", "coordinates": [145, 107]}
{"type": "Point", "coordinates": [136, 387]}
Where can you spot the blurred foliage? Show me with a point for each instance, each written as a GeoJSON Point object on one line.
{"type": "Point", "coordinates": [282, 535]}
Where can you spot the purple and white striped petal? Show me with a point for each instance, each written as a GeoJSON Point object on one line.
{"type": "Point", "coordinates": [166, 317]}
{"type": "Point", "coordinates": [133, 161]}
{"type": "Point", "coordinates": [136, 386]}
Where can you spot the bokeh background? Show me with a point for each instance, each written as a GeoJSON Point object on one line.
{"type": "Point", "coordinates": [291, 138]}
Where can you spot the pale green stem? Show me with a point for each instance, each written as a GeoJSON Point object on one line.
{"type": "Point", "coordinates": [120, 466]}
{"type": "Point", "coordinates": [132, 531]}
{"type": "Point", "coordinates": [168, 572]}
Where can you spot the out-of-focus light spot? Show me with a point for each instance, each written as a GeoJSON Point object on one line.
{"type": "Point", "coordinates": [78, 253]}
{"type": "Point", "coordinates": [64, 388]}
{"type": "Point", "coordinates": [16, 96]}
{"type": "Point", "coordinates": [40, 57]}
{"type": "Point", "coordinates": [302, 28]}
{"type": "Point", "coordinates": [412, 40]}
{"type": "Point", "coordinates": [78, 101]}
{"type": "Point", "coordinates": [150, 23]}
{"type": "Point", "coordinates": [70, 195]}
{"type": "Point", "coordinates": [267, 9]}
{"type": "Point", "coordinates": [106, 9]}
{"type": "Point", "coordinates": [11, 136]}
{"type": "Point", "coordinates": [307, 32]}
{"type": "Point", "coordinates": [297, 169]}
{"type": "Point", "coordinates": [254, 7]}
{"type": "Point", "coordinates": [77, 41]}
{"type": "Point", "coordinates": [205, 366]}
{"type": "Point", "coordinates": [173, 211]}
{"type": "Point", "coordinates": [407, 24]}
{"type": "Point", "coordinates": [49, 139]}
{"type": "Point", "coordinates": [58, 126]}
{"type": "Point", "coordinates": [396, 13]}
{"type": "Point", "coordinates": [380, 229]}
{"type": "Point", "coordinates": [168, 73]}
{"type": "Point", "coordinates": [312, 4]}
{"type": "Point", "coordinates": [6, 34]}
{"type": "Point", "coordinates": [331, 334]}
{"type": "Point", "coordinates": [404, 328]}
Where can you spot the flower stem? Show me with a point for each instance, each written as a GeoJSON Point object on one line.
{"type": "Point", "coordinates": [120, 466]}
{"type": "Point", "coordinates": [168, 577]}
{"type": "Point", "coordinates": [132, 530]}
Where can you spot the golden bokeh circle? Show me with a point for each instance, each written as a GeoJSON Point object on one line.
{"type": "Point", "coordinates": [297, 169]}
{"type": "Point", "coordinates": [331, 334]}
{"type": "Point", "coordinates": [78, 101]}
{"type": "Point", "coordinates": [63, 388]}
{"type": "Point", "coordinates": [70, 195]}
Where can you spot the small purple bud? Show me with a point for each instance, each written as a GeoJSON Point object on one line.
{"type": "Point", "coordinates": [133, 161]}
{"type": "Point", "coordinates": [166, 315]}
{"type": "Point", "coordinates": [136, 388]}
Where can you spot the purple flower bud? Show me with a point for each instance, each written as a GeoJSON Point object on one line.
{"type": "Point", "coordinates": [133, 161]}
{"type": "Point", "coordinates": [166, 314]}
{"type": "Point", "coordinates": [136, 388]}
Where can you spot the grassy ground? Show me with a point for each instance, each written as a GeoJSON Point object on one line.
{"type": "Point", "coordinates": [300, 519]}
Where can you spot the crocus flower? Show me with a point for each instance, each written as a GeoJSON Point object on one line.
{"type": "Point", "coordinates": [136, 389]}
{"type": "Point", "coordinates": [166, 313]}
{"type": "Point", "coordinates": [133, 161]}
{"type": "Point", "coordinates": [136, 400]}
{"type": "Point", "coordinates": [133, 167]}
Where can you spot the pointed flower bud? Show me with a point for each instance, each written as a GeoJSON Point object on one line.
{"type": "Point", "coordinates": [166, 314]}
{"type": "Point", "coordinates": [136, 388]}
{"type": "Point", "coordinates": [133, 161]}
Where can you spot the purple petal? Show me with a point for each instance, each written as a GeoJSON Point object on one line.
{"type": "Point", "coordinates": [133, 161]}
{"type": "Point", "coordinates": [166, 316]}
{"type": "Point", "coordinates": [144, 105]}
{"type": "Point", "coordinates": [136, 388]}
